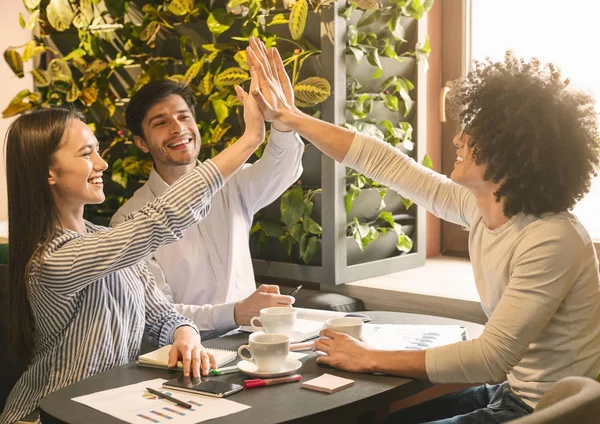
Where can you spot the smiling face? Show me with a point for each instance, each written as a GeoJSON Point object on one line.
{"type": "Point", "coordinates": [466, 172]}
{"type": "Point", "coordinates": [171, 135]}
{"type": "Point", "coordinates": [75, 176]}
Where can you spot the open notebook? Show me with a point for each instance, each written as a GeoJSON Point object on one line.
{"type": "Point", "coordinates": [160, 358]}
{"type": "Point", "coordinates": [310, 322]}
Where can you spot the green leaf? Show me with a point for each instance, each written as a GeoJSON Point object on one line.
{"type": "Point", "coordinates": [404, 243]}
{"type": "Point", "coordinates": [373, 58]}
{"type": "Point", "coordinates": [149, 32]}
{"type": "Point", "coordinates": [427, 5]}
{"type": "Point", "coordinates": [311, 247]}
{"type": "Point", "coordinates": [41, 78]}
{"type": "Point", "coordinates": [359, 54]}
{"type": "Point", "coordinates": [31, 4]}
{"type": "Point", "coordinates": [346, 13]}
{"type": "Point", "coordinates": [391, 102]}
{"type": "Point", "coordinates": [427, 162]}
{"type": "Point", "coordinates": [312, 90]}
{"type": "Point", "coordinates": [296, 231]}
{"type": "Point", "coordinates": [369, 17]}
{"type": "Point", "coordinates": [118, 175]}
{"type": "Point", "coordinates": [422, 50]}
{"type": "Point", "coordinates": [388, 218]}
{"type": "Point", "coordinates": [352, 33]}
{"type": "Point", "coordinates": [219, 21]}
{"type": "Point", "coordinates": [221, 110]}
{"type": "Point", "coordinates": [179, 7]}
{"type": "Point", "coordinates": [33, 20]}
{"type": "Point", "coordinates": [193, 72]}
{"type": "Point", "coordinates": [272, 229]}
{"type": "Point", "coordinates": [414, 9]}
{"type": "Point", "coordinates": [311, 226]}
{"type": "Point", "coordinates": [292, 206]}
{"type": "Point", "coordinates": [382, 193]}
{"type": "Point", "coordinates": [73, 93]}
{"type": "Point", "coordinates": [58, 67]}
{"type": "Point", "coordinates": [298, 16]}
{"type": "Point", "coordinates": [21, 21]}
{"type": "Point", "coordinates": [60, 14]}
{"type": "Point", "coordinates": [368, 128]}
{"type": "Point", "coordinates": [14, 60]}
{"type": "Point", "coordinates": [407, 203]}
{"type": "Point", "coordinates": [395, 27]}
{"type": "Point", "coordinates": [235, 3]}
{"type": "Point", "coordinates": [279, 19]}
{"type": "Point", "coordinates": [240, 58]}
{"type": "Point", "coordinates": [231, 76]}
{"type": "Point", "coordinates": [86, 9]}
{"type": "Point", "coordinates": [352, 193]}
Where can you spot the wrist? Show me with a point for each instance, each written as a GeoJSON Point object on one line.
{"type": "Point", "coordinates": [277, 125]}
{"type": "Point", "coordinates": [289, 118]}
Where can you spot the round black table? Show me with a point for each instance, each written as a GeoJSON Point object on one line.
{"type": "Point", "coordinates": [275, 404]}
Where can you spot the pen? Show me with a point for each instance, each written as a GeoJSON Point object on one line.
{"type": "Point", "coordinates": [171, 398]}
{"type": "Point", "coordinates": [224, 370]}
{"type": "Point", "coordinates": [259, 382]}
{"type": "Point", "coordinates": [296, 290]}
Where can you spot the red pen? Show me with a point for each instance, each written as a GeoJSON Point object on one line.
{"type": "Point", "coordinates": [260, 382]}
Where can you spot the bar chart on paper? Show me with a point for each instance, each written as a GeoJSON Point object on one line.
{"type": "Point", "coordinates": [134, 404]}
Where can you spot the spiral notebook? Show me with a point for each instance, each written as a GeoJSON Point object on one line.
{"type": "Point", "coordinates": [160, 358]}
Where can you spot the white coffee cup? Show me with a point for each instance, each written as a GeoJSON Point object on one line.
{"type": "Point", "coordinates": [349, 325]}
{"type": "Point", "coordinates": [277, 319]}
{"type": "Point", "coordinates": [268, 351]}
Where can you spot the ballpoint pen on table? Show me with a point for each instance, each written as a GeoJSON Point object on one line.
{"type": "Point", "coordinates": [260, 382]}
{"type": "Point", "coordinates": [224, 370]}
{"type": "Point", "coordinates": [167, 397]}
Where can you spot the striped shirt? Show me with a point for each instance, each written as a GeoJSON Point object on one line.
{"type": "Point", "coordinates": [93, 297]}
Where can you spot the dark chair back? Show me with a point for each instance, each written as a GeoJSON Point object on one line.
{"type": "Point", "coordinates": [10, 369]}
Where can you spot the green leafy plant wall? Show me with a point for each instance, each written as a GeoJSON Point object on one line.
{"type": "Point", "coordinates": [97, 53]}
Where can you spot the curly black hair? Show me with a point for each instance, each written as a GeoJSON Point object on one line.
{"type": "Point", "coordinates": [536, 138]}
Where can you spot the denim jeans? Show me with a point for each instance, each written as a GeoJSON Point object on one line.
{"type": "Point", "coordinates": [475, 405]}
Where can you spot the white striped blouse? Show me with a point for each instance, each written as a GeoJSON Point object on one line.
{"type": "Point", "coordinates": [93, 297]}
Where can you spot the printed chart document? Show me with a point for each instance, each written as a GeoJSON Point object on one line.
{"type": "Point", "coordinates": [411, 337]}
{"type": "Point", "coordinates": [134, 404]}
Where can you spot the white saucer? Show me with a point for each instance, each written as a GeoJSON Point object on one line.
{"type": "Point", "coordinates": [289, 367]}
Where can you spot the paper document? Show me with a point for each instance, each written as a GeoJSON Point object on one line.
{"type": "Point", "coordinates": [411, 337]}
{"type": "Point", "coordinates": [134, 404]}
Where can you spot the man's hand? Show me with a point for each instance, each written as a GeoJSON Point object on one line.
{"type": "Point", "coordinates": [274, 94]}
{"type": "Point", "coordinates": [253, 117]}
{"type": "Point", "coordinates": [187, 349]}
{"type": "Point", "coordinates": [264, 297]}
{"type": "Point", "coordinates": [344, 352]}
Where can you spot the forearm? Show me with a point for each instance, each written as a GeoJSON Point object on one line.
{"type": "Point", "coordinates": [333, 140]}
{"type": "Point", "coordinates": [234, 156]}
{"type": "Point", "coordinates": [404, 363]}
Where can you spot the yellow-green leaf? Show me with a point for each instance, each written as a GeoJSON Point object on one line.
{"type": "Point", "coordinates": [221, 110]}
{"type": "Point", "coordinates": [235, 3]}
{"type": "Point", "coordinates": [219, 21]}
{"type": "Point", "coordinates": [298, 17]}
{"type": "Point", "coordinates": [312, 90]}
{"type": "Point", "coordinates": [231, 76]}
{"type": "Point", "coordinates": [35, 98]}
{"type": "Point", "coordinates": [80, 21]}
{"type": "Point", "coordinates": [141, 81]}
{"type": "Point", "coordinates": [32, 50]}
{"type": "Point", "coordinates": [21, 21]}
{"type": "Point", "coordinates": [220, 132]}
{"type": "Point", "coordinates": [58, 67]}
{"type": "Point", "coordinates": [278, 19]}
{"type": "Point", "coordinates": [178, 78]}
{"type": "Point", "coordinates": [241, 59]}
{"type": "Point", "coordinates": [97, 66]}
{"type": "Point", "coordinates": [15, 109]}
{"type": "Point", "coordinates": [14, 60]}
{"type": "Point", "coordinates": [109, 105]}
{"type": "Point", "coordinates": [33, 20]}
{"type": "Point", "coordinates": [31, 4]}
{"type": "Point", "coordinates": [60, 14]}
{"type": "Point", "coordinates": [192, 72]}
{"type": "Point", "coordinates": [20, 96]}
{"type": "Point", "coordinates": [179, 7]}
{"type": "Point", "coordinates": [41, 78]}
{"type": "Point", "coordinates": [149, 31]}
{"type": "Point", "coordinates": [62, 83]}
{"type": "Point", "coordinates": [207, 84]}
{"type": "Point", "coordinates": [366, 4]}
{"type": "Point", "coordinates": [86, 8]}
{"type": "Point", "coordinates": [89, 95]}
{"type": "Point", "coordinates": [73, 93]}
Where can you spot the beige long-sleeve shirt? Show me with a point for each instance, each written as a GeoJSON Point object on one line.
{"type": "Point", "coordinates": [537, 278]}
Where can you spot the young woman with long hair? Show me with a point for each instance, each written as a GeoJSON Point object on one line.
{"type": "Point", "coordinates": [81, 295]}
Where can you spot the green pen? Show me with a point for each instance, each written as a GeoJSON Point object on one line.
{"type": "Point", "coordinates": [224, 370]}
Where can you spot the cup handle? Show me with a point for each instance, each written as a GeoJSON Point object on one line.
{"type": "Point", "coordinates": [250, 359]}
{"type": "Point", "coordinates": [255, 326]}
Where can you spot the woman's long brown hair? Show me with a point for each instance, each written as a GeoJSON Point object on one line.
{"type": "Point", "coordinates": [31, 142]}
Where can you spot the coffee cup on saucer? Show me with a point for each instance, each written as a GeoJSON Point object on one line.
{"type": "Point", "coordinates": [276, 320]}
{"type": "Point", "coordinates": [268, 351]}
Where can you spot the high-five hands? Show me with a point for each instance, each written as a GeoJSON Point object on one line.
{"type": "Point", "coordinates": [273, 92]}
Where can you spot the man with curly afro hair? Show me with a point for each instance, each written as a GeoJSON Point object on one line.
{"type": "Point", "coordinates": [526, 154]}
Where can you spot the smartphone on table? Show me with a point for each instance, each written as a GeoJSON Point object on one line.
{"type": "Point", "coordinates": [203, 386]}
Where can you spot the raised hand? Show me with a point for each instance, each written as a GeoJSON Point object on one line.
{"type": "Point", "coordinates": [253, 117]}
{"type": "Point", "coordinates": [275, 94]}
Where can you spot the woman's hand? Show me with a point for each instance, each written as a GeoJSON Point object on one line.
{"type": "Point", "coordinates": [273, 92]}
{"type": "Point", "coordinates": [187, 349]}
{"type": "Point", "coordinates": [344, 352]}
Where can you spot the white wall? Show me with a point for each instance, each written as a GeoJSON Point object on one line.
{"type": "Point", "coordinates": [11, 34]}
